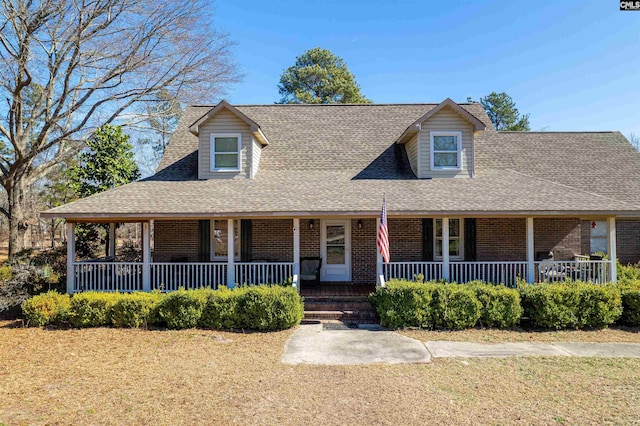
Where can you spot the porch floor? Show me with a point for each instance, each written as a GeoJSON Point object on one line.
{"type": "Point", "coordinates": [336, 289]}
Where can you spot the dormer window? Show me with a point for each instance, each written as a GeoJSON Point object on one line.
{"type": "Point", "coordinates": [446, 150]}
{"type": "Point", "coordinates": [225, 152]}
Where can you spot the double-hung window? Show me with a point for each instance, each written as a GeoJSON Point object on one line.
{"type": "Point", "coordinates": [456, 242]}
{"type": "Point", "coordinates": [225, 152]}
{"type": "Point", "coordinates": [446, 150]}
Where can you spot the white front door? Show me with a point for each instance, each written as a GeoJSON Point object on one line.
{"type": "Point", "coordinates": [335, 250]}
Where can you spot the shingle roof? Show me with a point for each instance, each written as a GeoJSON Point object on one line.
{"type": "Point", "coordinates": [341, 158]}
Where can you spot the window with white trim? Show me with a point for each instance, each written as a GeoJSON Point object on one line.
{"type": "Point", "coordinates": [456, 239]}
{"type": "Point", "coordinates": [446, 150]}
{"type": "Point", "coordinates": [220, 240]}
{"type": "Point", "coordinates": [225, 152]}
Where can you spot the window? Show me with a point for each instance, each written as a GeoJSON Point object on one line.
{"type": "Point", "coordinates": [599, 242]}
{"type": "Point", "coordinates": [220, 241]}
{"type": "Point", "coordinates": [225, 152]}
{"type": "Point", "coordinates": [446, 150]}
{"type": "Point", "coordinates": [456, 241]}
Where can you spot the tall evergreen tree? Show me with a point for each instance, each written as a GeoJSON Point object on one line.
{"type": "Point", "coordinates": [319, 77]}
{"type": "Point", "coordinates": [503, 113]}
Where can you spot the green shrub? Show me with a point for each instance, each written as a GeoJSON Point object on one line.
{"type": "Point", "coordinates": [267, 308]}
{"type": "Point", "coordinates": [404, 304]}
{"type": "Point", "coordinates": [46, 308]}
{"type": "Point", "coordinates": [456, 307]}
{"type": "Point", "coordinates": [630, 306]}
{"type": "Point", "coordinates": [571, 304]}
{"type": "Point", "coordinates": [429, 305]}
{"type": "Point", "coordinates": [137, 310]}
{"type": "Point", "coordinates": [92, 308]}
{"type": "Point", "coordinates": [500, 305]}
{"type": "Point", "coordinates": [183, 308]}
{"type": "Point", "coordinates": [220, 311]}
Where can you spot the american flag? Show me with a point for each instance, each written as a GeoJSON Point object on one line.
{"type": "Point", "coordinates": [383, 233]}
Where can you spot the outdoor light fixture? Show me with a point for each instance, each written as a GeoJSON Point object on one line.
{"type": "Point", "coordinates": [311, 224]}
{"type": "Point", "coordinates": [359, 223]}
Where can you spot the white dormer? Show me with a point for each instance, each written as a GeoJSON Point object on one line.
{"type": "Point", "coordinates": [230, 143]}
{"type": "Point", "coordinates": [440, 143]}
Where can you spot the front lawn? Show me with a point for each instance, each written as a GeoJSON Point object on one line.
{"type": "Point", "coordinates": [128, 376]}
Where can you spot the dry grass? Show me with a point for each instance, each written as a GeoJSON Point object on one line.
{"type": "Point", "coordinates": [627, 335]}
{"type": "Point", "coordinates": [112, 376]}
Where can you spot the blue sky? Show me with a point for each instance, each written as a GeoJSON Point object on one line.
{"type": "Point", "coordinates": [572, 65]}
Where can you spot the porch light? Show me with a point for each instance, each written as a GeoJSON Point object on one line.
{"type": "Point", "coordinates": [359, 223]}
{"type": "Point", "coordinates": [311, 224]}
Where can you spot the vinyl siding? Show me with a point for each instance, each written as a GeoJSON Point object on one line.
{"type": "Point", "coordinates": [412, 153]}
{"type": "Point", "coordinates": [255, 154]}
{"type": "Point", "coordinates": [446, 120]}
{"type": "Point", "coordinates": [224, 122]}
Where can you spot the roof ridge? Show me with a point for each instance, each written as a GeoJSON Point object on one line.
{"type": "Point", "coordinates": [333, 105]}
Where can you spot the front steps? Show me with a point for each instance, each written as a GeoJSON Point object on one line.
{"type": "Point", "coordinates": [348, 309]}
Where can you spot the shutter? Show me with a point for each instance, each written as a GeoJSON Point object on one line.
{"type": "Point", "coordinates": [470, 239]}
{"type": "Point", "coordinates": [245, 240]}
{"type": "Point", "coordinates": [427, 240]}
{"type": "Point", "coordinates": [204, 243]}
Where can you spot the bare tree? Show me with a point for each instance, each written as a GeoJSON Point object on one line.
{"type": "Point", "coordinates": [635, 140]}
{"type": "Point", "coordinates": [69, 66]}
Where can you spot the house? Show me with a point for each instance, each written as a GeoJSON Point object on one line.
{"type": "Point", "coordinates": [296, 181]}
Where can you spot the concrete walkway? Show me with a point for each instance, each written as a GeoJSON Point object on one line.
{"type": "Point", "coordinates": [368, 344]}
{"type": "Point", "coordinates": [441, 349]}
{"type": "Point", "coordinates": [336, 344]}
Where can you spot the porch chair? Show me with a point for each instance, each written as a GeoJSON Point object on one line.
{"type": "Point", "coordinates": [310, 270]}
{"type": "Point", "coordinates": [548, 269]}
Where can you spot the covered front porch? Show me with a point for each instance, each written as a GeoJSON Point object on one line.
{"type": "Point", "coordinates": [194, 253]}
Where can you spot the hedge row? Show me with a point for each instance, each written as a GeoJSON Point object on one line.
{"type": "Point", "coordinates": [257, 308]}
{"type": "Point", "coordinates": [449, 306]}
{"type": "Point", "coordinates": [437, 305]}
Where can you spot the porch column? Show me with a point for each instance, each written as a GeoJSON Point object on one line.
{"type": "Point", "coordinates": [379, 271]}
{"type": "Point", "coordinates": [531, 266]}
{"type": "Point", "coordinates": [445, 248]}
{"type": "Point", "coordinates": [71, 256]}
{"type": "Point", "coordinates": [296, 253]}
{"type": "Point", "coordinates": [613, 260]}
{"type": "Point", "coordinates": [231, 269]}
{"type": "Point", "coordinates": [112, 240]}
{"type": "Point", "coordinates": [146, 256]}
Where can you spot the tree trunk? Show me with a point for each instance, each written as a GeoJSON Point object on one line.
{"type": "Point", "coordinates": [18, 225]}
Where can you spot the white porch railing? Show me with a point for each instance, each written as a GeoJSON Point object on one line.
{"type": "Point", "coordinates": [169, 276]}
{"type": "Point", "coordinates": [107, 276]}
{"type": "Point", "coordinates": [596, 271]}
{"type": "Point", "coordinates": [409, 270]}
{"type": "Point", "coordinates": [263, 272]}
{"type": "Point", "coordinates": [505, 273]}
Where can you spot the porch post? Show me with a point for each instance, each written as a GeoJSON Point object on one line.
{"type": "Point", "coordinates": [231, 269]}
{"type": "Point", "coordinates": [531, 266]}
{"type": "Point", "coordinates": [146, 256]}
{"type": "Point", "coordinates": [379, 271]}
{"type": "Point", "coordinates": [112, 240]}
{"type": "Point", "coordinates": [445, 248]}
{"type": "Point", "coordinates": [296, 253]}
{"type": "Point", "coordinates": [613, 261]}
{"type": "Point", "coordinates": [71, 256]}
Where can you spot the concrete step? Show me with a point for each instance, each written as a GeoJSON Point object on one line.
{"type": "Point", "coordinates": [337, 306]}
{"type": "Point", "coordinates": [340, 315]}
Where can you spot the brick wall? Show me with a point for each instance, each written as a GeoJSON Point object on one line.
{"type": "Point", "coordinates": [363, 251]}
{"type": "Point", "coordinates": [175, 239]}
{"type": "Point", "coordinates": [272, 240]}
{"type": "Point", "coordinates": [585, 236]}
{"type": "Point", "coordinates": [563, 236]}
{"type": "Point", "coordinates": [501, 239]}
{"type": "Point", "coordinates": [628, 241]}
{"type": "Point", "coordinates": [405, 240]}
{"type": "Point", "coordinates": [309, 238]}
